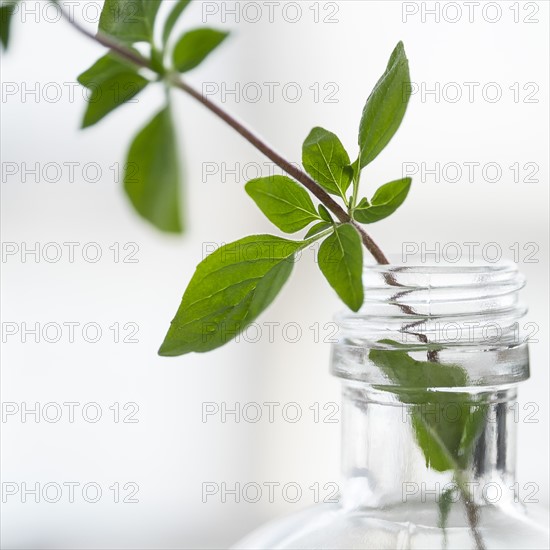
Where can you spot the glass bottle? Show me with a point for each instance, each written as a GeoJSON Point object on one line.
{"type": "Point", "coordinates": [429, 368]}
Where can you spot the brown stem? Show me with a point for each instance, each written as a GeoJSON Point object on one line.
{"type": "Point", "coordinates": [252, 138]}
{"type": "Point", "coordinates": [472, 512]}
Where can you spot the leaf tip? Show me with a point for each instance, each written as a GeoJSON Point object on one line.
{"type": "Point", "coordinates": [248, 187]}
{"type": "Point", "coordinates": [167, 349]}
{"type": "Point", "coordinates": [162, 352]}
{"type": "Point", "coordinates": [399, 51]}
{"type": "Point", "coordinates": [356, 302]}
{"type": "Point", "coordinates": [85, 123]}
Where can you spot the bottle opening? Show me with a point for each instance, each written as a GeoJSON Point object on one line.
{"type": "Point", "coordinates": [465, 315]}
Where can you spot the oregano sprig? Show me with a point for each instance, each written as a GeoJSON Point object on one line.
{"type": "Point", "coordinates": [151, 179]}
{"type": "Point", "coordinates": [290, 208]}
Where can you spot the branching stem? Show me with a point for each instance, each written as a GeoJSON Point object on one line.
{"type": "Point", "coordinates": [291, 169]}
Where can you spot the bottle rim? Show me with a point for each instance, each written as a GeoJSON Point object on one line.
{"type": "Point", "coordinates": [417, 264]}
{"type": "Point", "coordinates": [418, 290]}
{"type": "Point", "coordinates": [465, 313]}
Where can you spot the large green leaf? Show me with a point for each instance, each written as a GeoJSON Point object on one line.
{"type": "Point", "coordinates": [387, 199]}
{"type": "Point", "coordinates": [283, 201]}
{"type": "Point", "coordinates": [327, 162]}
{"type": "Point", "coordinates": [194, 46]}
{"type": "Point", "coordinates": [172, 18]}
{"type": "Point", "coordinates": [112, 82]}
{"type": "Point", "coordinates": [341, 261]}
{"type": "Point", "coordinates": [229, 289]}
{"type": "Point", "coordinates": [152, 175]}
{"type": "Point", "coordinates": [446, 423]}
{"type": "Point", "coordinates": [385, 107]}
{"type": "Point", "coordinates": [129, 20]}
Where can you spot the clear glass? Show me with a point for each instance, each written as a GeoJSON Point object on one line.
{"type": "Point", "coordinates": [429, 367]}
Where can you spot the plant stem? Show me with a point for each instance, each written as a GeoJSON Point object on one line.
{"type": "Point", "coordinates": [253, 139]}
{"type": "Point", "coordinates": [356, 179]}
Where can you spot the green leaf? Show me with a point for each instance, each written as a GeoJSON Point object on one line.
{"type": "Point", "coordinates": [411, 375]}
{"type": "Point", "coordinates": [152, 178]}
{"type": "Point", "coordinates": [6, 13]}
{"type": "Point", "coordinates": [327, 162]}
{"type": "Point", "coordinates": [112, 82]}
{"type": "Point", "coordinates": [440, 434]}
{"type": "Point", "coordinates": [436, 436]}
{"type": "Point", "coordinates": [324, 214]}
{"type": "Point", "coordinates": [283, 201]}
{"type": "Point", "coordinates": [194, 46]}
{"type": "Point", "coordinates": [129, 20]}
{"type": "Point", "coordinates": [317, 228]}
{"type": "Point", "coordinates": [387, 199]}
{"type": "Point", "coordinates": [172, 19]}
{"type": "Point", "coordinates": [385, 107]}
{"type": "Point", "coordinates": [446, 424]}
{"type": "Point", "coordinates": [229, 289]}
{"type": "Point", "coordinates": [341, 261]}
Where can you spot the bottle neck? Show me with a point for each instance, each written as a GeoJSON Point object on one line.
{"type": "Point", "coordinates": [400, 449]}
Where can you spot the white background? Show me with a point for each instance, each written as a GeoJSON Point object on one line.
{"type": "Point", "coordinates": [169, 453]}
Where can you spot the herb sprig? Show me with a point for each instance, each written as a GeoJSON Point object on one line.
{"type": "Point", "coordinates": [214, 308]}
{"type": "Point", "coordinates": [152, 179]}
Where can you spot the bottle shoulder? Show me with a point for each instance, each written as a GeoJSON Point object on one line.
{"type": "Point", "coordinates": [335, 527]}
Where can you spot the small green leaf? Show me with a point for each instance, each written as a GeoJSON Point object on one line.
{"type": "Point", "coordinates": [172, 19]}
{"type": "Point", "coordinates": [6, 13]}
{"type": "Point", "coordinates": [327, 162]}
{"type": "Point", "coordinates": [317, 228]}
{"type": "Point", "coordinates": [194, 46]}
{"type": "Point", "coordinates": [229, 289]}
{"type": "Point", "coordinates": [445, 504]}
{"type": "Point", "coordinates": [283, 201]}
{"type": "Point", "coordinates": [129, 20]}
{"type": "Point", "coordinates": [152, 178]}
{"type": "Point", "coordinates": [387, 199]}
{"type": "Point", "coordinates": [385, 107]}
{"type": "Point", "coordinates": [324, 213]}
{"type": "Point", "coordinates": [112, 82]}
{"type": "Point", "coordinates": [341, 261]}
